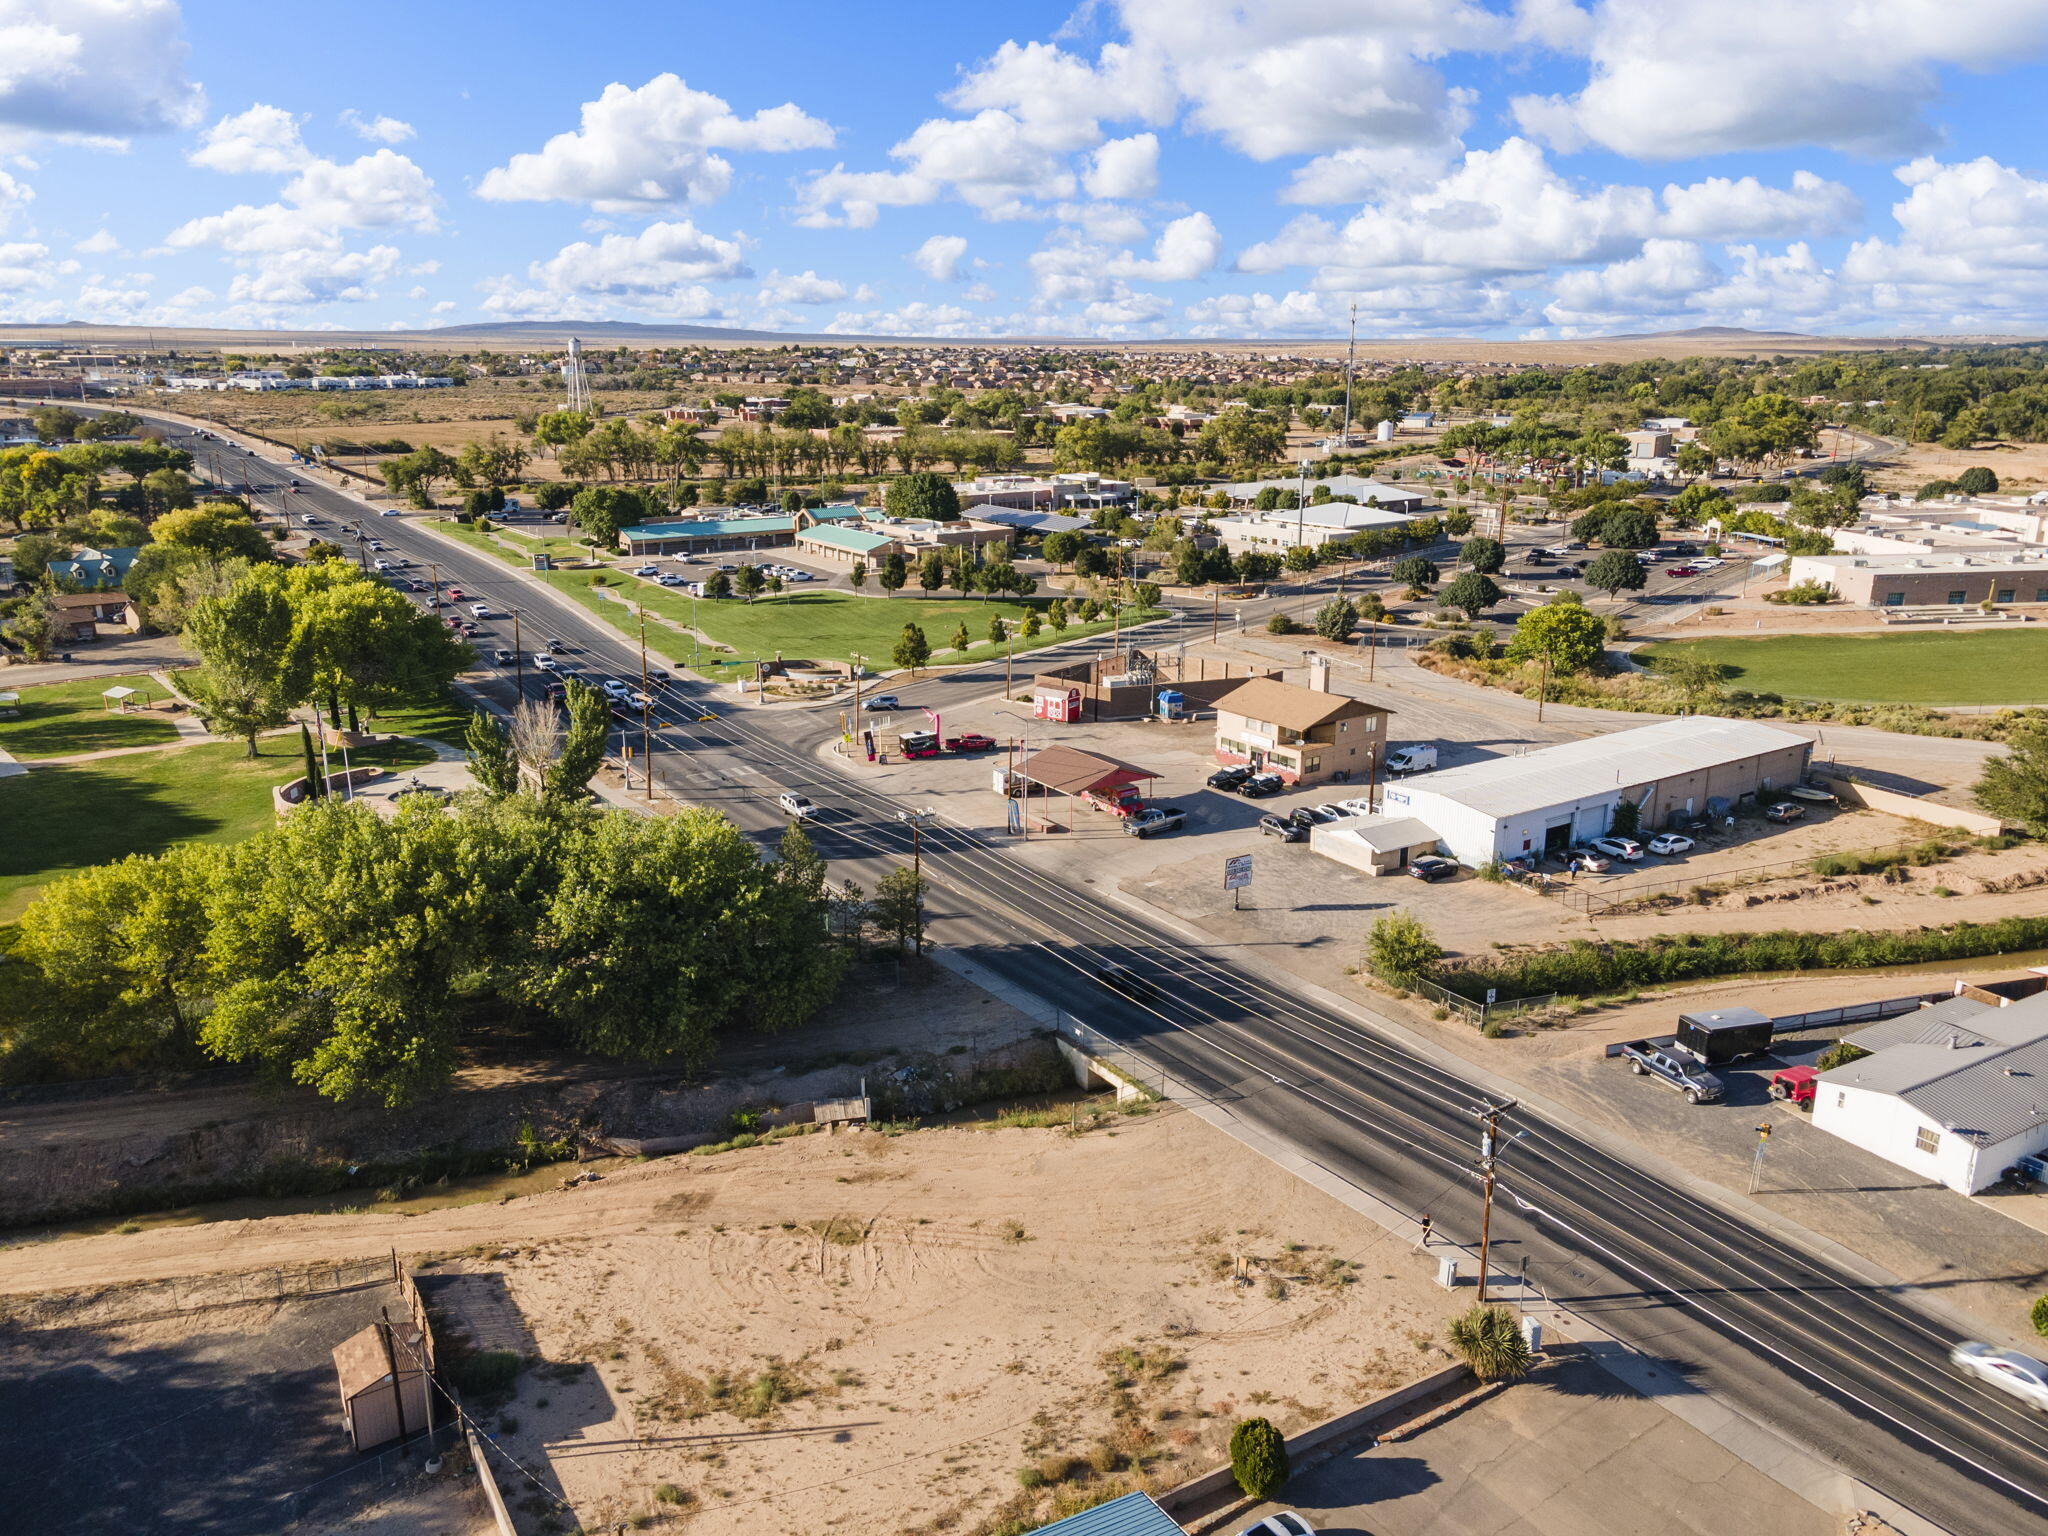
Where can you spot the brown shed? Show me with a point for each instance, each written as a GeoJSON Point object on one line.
{"type": "Point", "coordinates": [383, 1389]}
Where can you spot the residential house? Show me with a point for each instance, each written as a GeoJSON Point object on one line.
{"type": "Point", "coordinates": [1306, 735]}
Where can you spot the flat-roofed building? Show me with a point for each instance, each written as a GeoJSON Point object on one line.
{"type": "Point", "coordinates": [1939, 578]}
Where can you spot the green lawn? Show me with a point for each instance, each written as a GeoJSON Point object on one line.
{"type": "Point", "coordinates": [2006, 666]}
{"type": "Point", "coordinates": [816, 626]}
{"type": "Point", "coordinates": [73, 815]}
{"type": "Point", "coordinates": [560, 548]}
{"type": "Point", "coordinates": [63, 719]}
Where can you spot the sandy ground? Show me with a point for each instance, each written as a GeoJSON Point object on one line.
{"type": "Point", "coordinates": [2020, 467]}
{"type": "Point", "coordinates": [943, 1307]}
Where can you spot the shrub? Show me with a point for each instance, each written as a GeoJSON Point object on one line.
{"type": "Point", "coordinates": [1281, 624]}
{"type": "Point", "coordinates": [1840, 1054]}
{"type": "Point", "coordinates": [669, 1493]}
{"type": "Point", "coordinates": [2040, 1316]}
{"type": "Point", "coordinates": [1400, 948]}
{"type": "Point", "coordinates": [1488, 1340]}
{"type": "Point", "coordinates": [1805, 594]}
{"type": "Point", "coordinates": [483, 1372]}
{"type": "Point", "coordinates": [1030, 1477]}
{"type": "Point", "coordinates": [1258, 1458]}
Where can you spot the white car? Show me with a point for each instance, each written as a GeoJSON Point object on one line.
{"type": "Point", "coordinates": [1626, 849]}
{"type": "Point", "coordinates": [387, 512]}
{"type": "Point", "coordinates": [797, 805]}
{"type": "Point", "coordinates": [481, 610]}
{"type": "Point", "coordinates": [1670, 842]}
{"type": "Point", "coordinates": [1359, 806]}
{"type": "Point", "coordinates": [1708, 563]}
{"type": "Point", "coordinates": [2006, 1369]}
{"type": "Point", "coordinates": [380, 565]}
{"type": "Point", "coordinates": [544, 661]}
{"type": "Point", "coordinates": [648, 570]}
{"type": "Point", "coordinates": [796, 575]}
{"type": "Point", "coordinates": [672, 580]}
{"type": "Point", "coordinates": [1335, 812]}
{"type": "Point", "coordinates": [1286, 1523]}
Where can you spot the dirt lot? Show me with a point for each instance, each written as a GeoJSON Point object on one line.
{"type": "Point", "coordinates": [2020, 467]}
{"type": "Point", "coordinates": [879, 1332]}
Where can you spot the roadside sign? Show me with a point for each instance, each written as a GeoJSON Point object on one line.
{"type": "Point", "coordinates": [543, 562]}
{"type": "Point", "coordinates": [1016, 818]}
{"type": "Point", "coordinates": [1237, 872]}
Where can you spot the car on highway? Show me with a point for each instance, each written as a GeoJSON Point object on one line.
{"type": "Point", "coordinates": [1431, 868]}
{"type": "Point", "coordinates": [880, 701]}
{"type": "Point", "coordinates": [544, 661]}
{"type": "Point", "coordinates": [1121, 978]}
{"type": "Point", "coordinates": [456, 594]}
{"type": "Point", "coordinates": [380, 565]}
{"type": "Point", "coordinates": [973, 741]}
{"type": "Point", "coordinates": [1229, 778]}
{"type": "Point", "coordinates": [376, 543]}
{"type": "Point", "coordinates": [560, 647]}
{"type": "Point", "coordinates": [616, 688]}
{"type": "Point", "coordinates": [799, 806]}
{"type": "Point", "coordinates": [1260, 785]}
{"type": "Point", "coordinates": [481, 610]}
{"type": "Point", "coordinates": [2008, 1370]}
{"type": "Point", "coordinates": [503, 658]}
{"type": "Point", "coordinates": [1785, 810]}
{"type": "Point", "coordinates": [1670, 842]}
{"type": "Point", "coordinates": [1285, 1523]}
{"type": "Point", "coordinates": [1282, 828]}
{"type": "Point", "coordinates": [1627, 849]}
{"type": "Point", "coordinates": [387, 512]}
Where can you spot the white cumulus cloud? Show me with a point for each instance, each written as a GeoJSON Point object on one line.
{"type": "Point", "coordinates": [95, 69]}
{"type": "Point", "coordinates": [940, 256]}
{"type": "Point", "coordinates": [1124, 167]}
{"type": "Point", "coordinates": [264, 139]}
{"type": "Point", "coordinates": [378, 130]}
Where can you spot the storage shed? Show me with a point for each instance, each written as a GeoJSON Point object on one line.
{"type": "Point", "coordinates": [383, 1389]}
{"type": "Point", "coordinates": [1135, 1514]}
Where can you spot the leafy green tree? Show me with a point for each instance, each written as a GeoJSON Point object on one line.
{"type": "Point", "coordinates": [165, 490]}
{"type": "Point", "coordinates": [108, 964]}
{"type": "Point", "coordinates": [750, 581]}
{"type": "Point", "coordinates": [602, 510]}
{"type": "Point", "coordinates": [894, 572]}
{"type": "Point", "coordinates": [960, 638]}
{"type": "Point", "coordinates": [931, 570]}
{"type": "Point", "coordinates": [1258, 1458]}
{"type": "Point", "coordinates": [1616, 570]}
{"type": "Point", "coordinates": [219, 528]}
{"type": "Point", "coordinates": [1031, 625]}
{"type": "Point", "coordinates": [37, 623]}
{"type": "Point", "coordinates": [1697, 678]}
{"type": "Point", "coordinates": [1190, 563]}
{"type": "Point", "coordinates": [360, 642]}
{"type": "Point", "coordinates": [1092, 562]}
{"type": "Point", "coordinates": [858, 576]}
{"type": "Point", "coordinates": [923, 495]}
{"type": "Point", "coordinates": [1336, 619]}
{"type": "Point", "coordinates": [1401, 949]}
{"type": "Point", "coordinates": [2014, 787]}
{"type": "Point", "coordinates": [491, 761]}
{"type": "Point", "coordinates": [1061, 546]}
{"type": "Point", "coordinates": [998, 629]}
{"type": "Point", "coordinates": [1572, 637]}
{"type": "Point", "coordinates": [568, 777]}
{"type": "Point", "coordinates": [1484, 555]}
{"type": "Point", "coordinates": [1301, 558]}
{"type": "Point", "coordinates": [1976, 481]}
{"type": "Point", "coordinates": [1629, 528]}
{"type": "Point", "coordinates": [1255, 565]}
{"type": "Point", "coordinates": [1056, 613]}
{"type": "Point", "coordinates": [1414, 571]}
{"type": "Point", "coordinates": [912, 649]}
{"type": "Point", "coordinates": [1490, 1341]}
{"type": "Point", "coordinates": [253, 672]}
{"type": "Point", "coordinates": [1472, 592]}
{"type": "Point", "coordinates": [718, 585]}
{"type": "Point", "coordinates": [898, 908]}
{"type": "Point", "coordinates": [316, 781]}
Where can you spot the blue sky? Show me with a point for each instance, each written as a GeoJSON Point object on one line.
{"type": "Point", "coordinates": [1127, 168]}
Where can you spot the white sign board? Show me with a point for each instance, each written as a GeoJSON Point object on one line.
{"type": "Point", "coordinates": [1237, 872]}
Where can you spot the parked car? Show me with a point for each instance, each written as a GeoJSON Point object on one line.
{"type": "Point", "coordinates": [1260, 785]}
{"type": "Point", "coordinates": [1413, 758]}
{"type": "Point", "coordinates": [1626, 849]}
{"type": "Point", "coordinates": [796, 805]}
{"type": "Point", "coordinates": [1359, 806]}
{"type": "Point", "coordinates": [1308, 818]}
{"type": "Point", "coordinates": [1590, 860]}
{"type": "Point", "coordinates": [1155, 818]}
{"type": "Point", "coordinates": [673, 579]}
{"type": "Point", "coordinates": [1285, 1523]}
{"type": "Point", "coordinates": [1796, 1086]}
{"type": "Point", "coordinates": [880, 701]}
{"type": "Point", "coordinates": [1229, 778]}
{"type": "Point", "coordinates": [1648, 1059]}
{"type": "Point", "coordinates": [1282, 828]}
{"type": "Point", "coordinates": [2022, 1376]}
{"type": "Point", "coordinates": [1784, 810]}
{"type": "Point", "coordinates": [1681, 570]}
{"type": "Point", "coordinates": [1431, 868]}
{"type": "Point", "coordinates": [973, 741]}
{"type": "Point", "coordinates": [647, 570]}
{"type": "Point", "coordinates": [1670, 842]}
{"type": "Point", "coordinates": [1337, 812]}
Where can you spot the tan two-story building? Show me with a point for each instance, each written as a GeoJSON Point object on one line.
{"type": "Point", "coordinates": [1306, 735]}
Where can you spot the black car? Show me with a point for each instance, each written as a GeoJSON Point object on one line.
{"type": "Point", "coordinates": [1229, 778]}
{"type": "Point", "coordinates": [1121, 978]}
{"type": "Point", "coordinates": [1260, 785]}
{"type": "Point", "coordinates": [1282, 828]}
{"type": "Point", "coordinates": [1431, 868]}
{"type": "Point", "coordinates": [1306, 818]}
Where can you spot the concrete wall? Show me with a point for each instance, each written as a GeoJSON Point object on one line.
{"type": "Point", "coordinates": [1896, 804]}
{"type": "Point", "coordinates": [1877, 584]}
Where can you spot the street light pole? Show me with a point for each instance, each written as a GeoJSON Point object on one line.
{"type": "Point", "coordinates": [646, 712]}
{"type": "Point", "coordinates": [518, 662]}
{"type": "Point", "coordinates": [916, 821]}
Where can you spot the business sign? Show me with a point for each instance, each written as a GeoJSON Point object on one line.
{"type": "Point", "coordinates": [1016, 818]}
{"type": "Point", "coordinates": [1237, 872]}
{"type": "Point", "coordinates": [543, 562]}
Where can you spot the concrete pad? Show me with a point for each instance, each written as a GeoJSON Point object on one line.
{"type": "Point", "coordinates": [1570, 1452]}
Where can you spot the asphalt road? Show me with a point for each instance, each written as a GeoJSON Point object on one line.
{"type": "Point", "coordinates": [1854, 1372]}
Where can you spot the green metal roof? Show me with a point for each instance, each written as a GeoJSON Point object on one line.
{"type": "Point", "coordinates": [859, 540]}
{"type": "Point", "coordinates": [710, 528]}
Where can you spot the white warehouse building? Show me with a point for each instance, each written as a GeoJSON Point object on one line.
{"type": "Point", "coordinates": [1546, 800]}
{"type": "Point", "coordinates": [1957, 1092]}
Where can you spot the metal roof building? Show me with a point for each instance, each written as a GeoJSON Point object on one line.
{"type": "Point", "coordinates": [1546, 800]}
{"type": "Point", "coordinates": [1959, 1107]}
{"type": "Point", "coordinates": [1135, 1514]}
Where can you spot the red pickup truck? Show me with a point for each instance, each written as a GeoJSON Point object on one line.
{"type": "Point", "coordinates": [1124, 800]}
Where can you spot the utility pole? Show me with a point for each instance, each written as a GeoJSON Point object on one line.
{"type": "Point", "coordinates": [435, 571]}
{"type": "Point", "coordinates": [1488, 1114]}
{"type": "Point", "coordinates": [916, 820]}
{"type": "Point", "coordinates": [1215, 597]}
{"type": "Point", "coordinates": [1350, 362]}
{"type": "Point", "coordinates": [518, 662]}
{"type": "Point", "coordinates": [1372, 648]}
{"type": "Point", "coordinates": [1543, 689]}
{"type": "Point", "coordinates": [646, 712]}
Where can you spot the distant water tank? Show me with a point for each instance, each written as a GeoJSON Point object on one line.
{"type": "Point", "coordinates": [1384, 432]}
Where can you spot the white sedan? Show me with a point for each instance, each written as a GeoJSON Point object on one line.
{"type": "Point", "coordinates": [387, 512]}
{"type": "Point", "coordinates": [1670, 842]}
{"type": "Point", "coordinates": [2006, 1369]}
{"type": "Point", "coordinates": [544, 661]}
{"type": "Point", "coordinates": [1360, 806]}
{"type": "Point", "coordinates": [648, 570]}
{"type": "Point", "coordinates": [796, 805]}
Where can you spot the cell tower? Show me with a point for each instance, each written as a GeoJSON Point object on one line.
{"type": "Point", "coordinates": [574, 376]}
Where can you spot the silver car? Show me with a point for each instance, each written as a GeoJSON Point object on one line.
{"type": "Point", "coordinates": [2006, 1369]}
{"type": "Point", "coordinates": [1285, 1523]}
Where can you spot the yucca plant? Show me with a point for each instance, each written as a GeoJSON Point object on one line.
{"type": "Point", "coordinates": [1490, 1341]}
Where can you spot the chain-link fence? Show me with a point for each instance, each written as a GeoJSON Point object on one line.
{"type": "Point", "coordinates": [166, 1298]}
{"type": "Point", "coordinates": [1145, 1075]}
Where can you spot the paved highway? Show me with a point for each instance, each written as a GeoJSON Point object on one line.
{"type": "Point", "coordinates": [1854, 1371]}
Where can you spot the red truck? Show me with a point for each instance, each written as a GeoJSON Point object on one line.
{"type": "Point", "coordinates": [1123, 800]}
